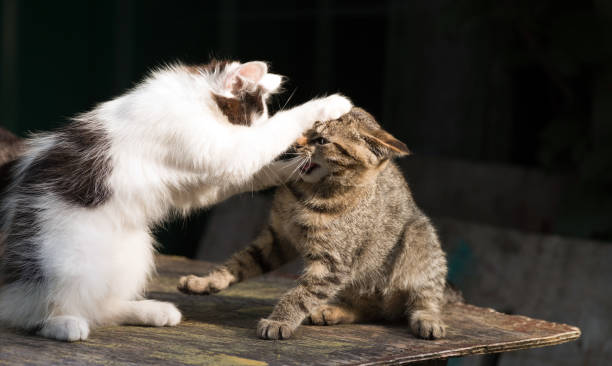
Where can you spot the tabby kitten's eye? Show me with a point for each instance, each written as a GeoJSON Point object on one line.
{"type": "Point", "coordinates": [321, 141]}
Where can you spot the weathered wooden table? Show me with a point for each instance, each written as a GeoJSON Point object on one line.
{"type": "Point", "coordinates": [220, 330]}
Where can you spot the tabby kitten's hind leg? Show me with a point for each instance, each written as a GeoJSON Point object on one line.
{"type": "Point", "coordinates": [333, 314]}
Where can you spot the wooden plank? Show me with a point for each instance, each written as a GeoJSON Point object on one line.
{"type": "Point", "coordinates": [220, 330]}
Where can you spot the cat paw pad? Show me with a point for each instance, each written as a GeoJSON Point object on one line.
{"type": "Point", "coordinates": [272, 329]}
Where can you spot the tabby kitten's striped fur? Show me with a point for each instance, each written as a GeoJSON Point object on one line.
{"type": "Point", "coordinates": [369, 251]}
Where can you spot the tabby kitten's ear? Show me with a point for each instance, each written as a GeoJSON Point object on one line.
{"type": "Point", "coordinates": [383, 144]}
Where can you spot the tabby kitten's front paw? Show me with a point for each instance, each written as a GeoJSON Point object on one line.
{"type": "Point", "coordinates": [274, 329]}
{"type": "Point", "coordinates": [210, 284]}
{"type": "Point", "coordinates": [427, 326]}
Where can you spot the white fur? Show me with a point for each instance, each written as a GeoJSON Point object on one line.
{"type": "Point", "coordinates": [172, 149]}
{"type": "Point", "coordinates": [66, 328]}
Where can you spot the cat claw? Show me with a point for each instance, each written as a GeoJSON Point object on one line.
{"type": "Point", "coordinates": [273, 329]}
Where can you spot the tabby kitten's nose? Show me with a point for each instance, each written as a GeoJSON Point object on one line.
{"type": "Point", "coordinates": [302, 141]}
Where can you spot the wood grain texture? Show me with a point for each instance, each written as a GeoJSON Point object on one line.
{"type": "Point", "coordinates": [220, 330]}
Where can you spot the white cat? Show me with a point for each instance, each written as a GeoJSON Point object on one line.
{"type": "Point", "coordinates": [77, 244]}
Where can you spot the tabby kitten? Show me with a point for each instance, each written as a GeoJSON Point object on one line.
{"type": "Point", "coordinates": [369, 251]}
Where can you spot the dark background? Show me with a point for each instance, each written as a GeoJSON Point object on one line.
{"type": "Point", "coordinates": [507, 106]}
{"type": "Point", "coordinates": [523, 83]}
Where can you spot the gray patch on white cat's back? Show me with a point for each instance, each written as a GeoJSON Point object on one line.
{"type": "Point", "coordinates": [76, 167]}
{"type": "Point", "coordinates": [72, 164]}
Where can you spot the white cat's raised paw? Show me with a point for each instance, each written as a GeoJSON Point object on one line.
{"type": "Point", "coordinates": [333, 107]}
{"type": "Point", "coordinates": [65, 328]}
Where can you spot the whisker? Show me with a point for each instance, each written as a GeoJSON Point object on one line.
{"type": "Point", "coordinates": [288, 99]}
{"type": "Point", "coordinates": [307, 161]}
{"type": "Point", "coordinates": [298, 167]}
{"type": "Point", "coordinates": [272, 175]}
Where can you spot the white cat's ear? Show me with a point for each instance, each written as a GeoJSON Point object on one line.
{"type": "Point", "coordinates": [271, 82]}
{"type": "Point", "coordinates": [245, 75]}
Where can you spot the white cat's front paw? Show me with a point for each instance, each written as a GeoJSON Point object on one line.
{"type": "Point", "coordinates": [158, 314]}
{"type": "Point", "coordinates": [333, 107]}
{"type": "Point", "coordinates": [65, 328]}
